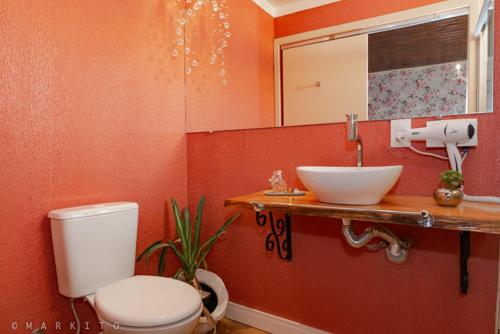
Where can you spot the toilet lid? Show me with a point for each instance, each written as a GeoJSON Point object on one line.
{"type": "Point", "coordinates": [146, 301]}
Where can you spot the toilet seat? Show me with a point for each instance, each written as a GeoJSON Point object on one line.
{"type": "Point", "coordinates": [155, 329]}
{"type": "Point", "coordinates": [147, 301]}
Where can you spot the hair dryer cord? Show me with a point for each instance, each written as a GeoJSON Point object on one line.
{"type": "Point", "coordinates": [482, 199]}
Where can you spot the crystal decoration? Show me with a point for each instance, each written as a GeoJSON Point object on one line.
{"type": "Point", "coordinates": [189, 12]}
{"type": "Point", "coordinates": [277, 183]}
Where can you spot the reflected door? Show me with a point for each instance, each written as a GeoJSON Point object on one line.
{"type": "Point", "coordinates": [324, 81]}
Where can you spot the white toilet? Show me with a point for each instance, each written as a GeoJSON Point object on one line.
{"type": "Point", "coordinates": [94, 248]}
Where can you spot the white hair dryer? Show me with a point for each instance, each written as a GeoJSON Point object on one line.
{"type": "Point", "coordinates": [450, 133]}
{"type": "Point", "coordinates": [445, 133]}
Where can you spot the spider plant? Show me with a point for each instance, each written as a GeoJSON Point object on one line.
{"type": "Point", "coordinates": [188, 248]}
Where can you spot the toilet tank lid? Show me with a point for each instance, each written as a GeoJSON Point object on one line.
{"type": "Point", "coordinates": [91, 210]}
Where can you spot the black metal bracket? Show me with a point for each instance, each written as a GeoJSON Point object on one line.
{"type": "Point", "coordinates": [280, 235]}
{"type": "Point", "coordinates": [464, 259]}
{"type": "Point", "coordinates": [281, 238]}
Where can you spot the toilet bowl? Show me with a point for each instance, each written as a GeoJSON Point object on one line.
{"type": "Point", "coordinates": [148, 305]}
{"type": "Point", "coordinates": [94, 250]}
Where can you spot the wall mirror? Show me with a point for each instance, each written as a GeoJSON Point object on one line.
{"type": "Point", "coordinates": [427, 61]}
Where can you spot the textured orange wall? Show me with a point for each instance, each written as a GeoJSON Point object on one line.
{"type": "Point", "coordinates": [248, 99]}
{"type": "Point", "coordinates": [340, 12]}
{"type": "Point", "coordinates": [91, 110]}
{"type": "Point", "coordinates": [330, 285]}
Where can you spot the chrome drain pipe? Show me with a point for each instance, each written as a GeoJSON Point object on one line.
{"type": "Point", "coordinates": [396, 249]}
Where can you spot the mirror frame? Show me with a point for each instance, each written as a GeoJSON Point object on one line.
{"type": "Point", "coordinates": [438, 10]}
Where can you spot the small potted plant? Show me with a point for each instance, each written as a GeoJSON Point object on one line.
{"type": "Point", "coordinates": [451, 193]}
{"type": "Point", "coordinates": [191, 253]}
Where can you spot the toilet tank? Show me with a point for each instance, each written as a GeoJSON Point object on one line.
{"type": "Point", "coordinates": [94, 245]}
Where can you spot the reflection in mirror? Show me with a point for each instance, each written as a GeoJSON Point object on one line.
{"type": "Point", "coordinates": [323, 81]}
{"type": "Point", "coordinates": [424, 61]}
{"type": "Point", "coordinates": [419, 70]}
{"type": "Point", "coordinates": [416, 66]}
{"type": "Point", "coordinates": [484, 34]}
{"type": "Point", "coordinates": [228, 53]}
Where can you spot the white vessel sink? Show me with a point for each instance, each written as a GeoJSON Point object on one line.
{"type": "Point", "coordinates": [349, 185]}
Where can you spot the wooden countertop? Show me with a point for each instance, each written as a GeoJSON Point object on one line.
{"type": "Point", "coordinates": [394, 209]}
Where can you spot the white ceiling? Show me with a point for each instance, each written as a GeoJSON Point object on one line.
{"type": "Point", "coordinates": [283, 7]}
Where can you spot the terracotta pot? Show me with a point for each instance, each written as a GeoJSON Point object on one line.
{"type": "Point", "coordinates": [217, 285]}
{"type": "Point", "coordinates": [448, 197]}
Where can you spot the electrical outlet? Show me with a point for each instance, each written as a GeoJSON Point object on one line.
{"type": "Point", "coordinates": [398, 128]}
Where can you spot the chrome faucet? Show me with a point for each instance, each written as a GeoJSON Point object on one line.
{"type": "Point", "coordinates": [352, 135]}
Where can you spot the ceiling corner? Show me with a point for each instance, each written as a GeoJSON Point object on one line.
{"type": "Point", "coordinates": [277, 8]}
{"type": "Point", "coordinates": [300, 5]}
{"type": "Point", "coordinates": [266, 6]}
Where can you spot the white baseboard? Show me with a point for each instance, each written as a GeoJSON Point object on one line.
{"type": "Point", "coordinates": [497, 313]}
{"type": "Point", "coordinates": [267, 322]}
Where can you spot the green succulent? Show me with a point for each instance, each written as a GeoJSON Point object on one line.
{"type": "Point", "coordinates": [452, 179]}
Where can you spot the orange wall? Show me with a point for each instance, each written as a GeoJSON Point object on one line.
{"type": "Point", "coordinates": [340, 12]}
{"type": "Point", "coordinates": [91, 110]}
{"type": "Point", "coordinates": [248, 99]}
{"type": "Point", "coordinates": [330, 285]}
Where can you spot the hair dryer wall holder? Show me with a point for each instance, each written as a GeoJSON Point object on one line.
{"type": "Point", "coordinates": [449, 134]}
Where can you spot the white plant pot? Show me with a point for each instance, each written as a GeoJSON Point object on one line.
{"type": "Point", "coordinates": [216, 283]}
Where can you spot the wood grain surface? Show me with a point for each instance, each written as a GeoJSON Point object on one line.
{"type": "Point", "coordinates": [226, 326]}
{"type": "Point", "coordinates": [393, 209]}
